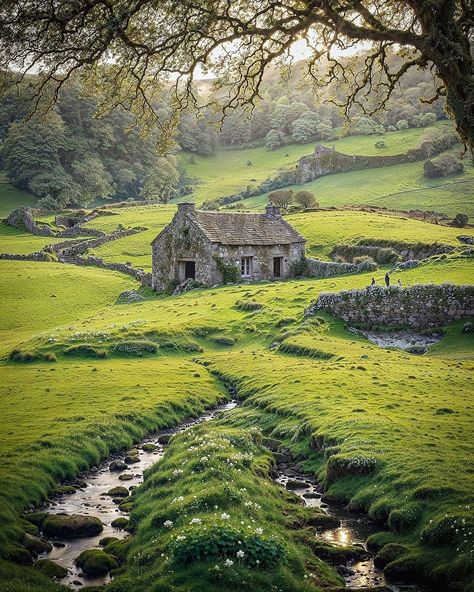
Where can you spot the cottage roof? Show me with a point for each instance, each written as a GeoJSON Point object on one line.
{"type": "Point", "coordinates": [245, 229]}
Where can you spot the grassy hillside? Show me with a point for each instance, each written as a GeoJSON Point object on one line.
{"type": "Point", "coordinates": [228, 171]}
{"type": "Point", "coordinates": [401, 186]}
{"type": "Point", "coordinates": [321, 229]}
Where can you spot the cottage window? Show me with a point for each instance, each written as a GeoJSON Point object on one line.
{"type": "Point", "coordinates": [246, 266]}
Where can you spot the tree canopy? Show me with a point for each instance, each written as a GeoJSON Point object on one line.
{"type": "Point", "coordinates": [132, 51]}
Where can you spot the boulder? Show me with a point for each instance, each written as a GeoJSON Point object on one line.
{"type": "Point", "coordinates": [50, 569]}
{"type": "Point", "coordinates": [71, 526]}
{"type": "Point", "coordinates": [149, 447]}
{"type": "Point", "coordinates": [95, 562]}
{"type": "Point", "coordinates": [117, 466]}
{"type": "Point", "coordinates": [130, 460]}
{"type": "Point", "coordinates": [121, 523]}
{"type": "Point", "coordinates": [296, 484]}
{"type": "Point", "coordinates": [107, 540]}
{"type": "Point", "coordinates": [164, 438]}
{"type": "Point", "coordinates": [36, 545]}
{"type": "Point", "coordinates": [126, 477]}
{"type": "Point", "coordinates": [118, 492]}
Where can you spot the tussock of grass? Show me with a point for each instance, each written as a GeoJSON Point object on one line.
{"type": "Point", "coordinates": [309, 352]}
{"type": "Point", "coordinates": [85, 350]}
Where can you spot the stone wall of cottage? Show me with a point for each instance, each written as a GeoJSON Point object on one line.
{"type": "Point", "coordinates": [182, 241]}
{"type": "Point", "coordinates": [417, 307]}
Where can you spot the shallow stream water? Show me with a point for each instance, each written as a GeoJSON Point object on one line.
{"type": "Point", "coordinates": [93, 501]}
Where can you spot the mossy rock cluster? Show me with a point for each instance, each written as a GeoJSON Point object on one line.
{"type": "Point", "coordinates": [71, 526]}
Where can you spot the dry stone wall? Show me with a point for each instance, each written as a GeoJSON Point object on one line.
{"type": "Point", "coordinates": [417, 307]}
{"type": "Point", "coordinates": [325, 269]}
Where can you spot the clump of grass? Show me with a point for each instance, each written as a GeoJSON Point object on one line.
{"type": "Point", "coordinates": [85, 350]}
{"type": "Point", "coordinates": [248, 305]}
{"type": "Point", "coordinates": [18, 355]}
{"type": "Point", "coordinates": [224, 340]}
{"type": "Point", "coordinates": [134, 348]}
{"type": "Point", "coordinates": [305, 351]}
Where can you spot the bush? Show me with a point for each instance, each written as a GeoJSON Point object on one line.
{"type": "Point", "coordinates": [230, 273]}
{"type": "Point", "coordinates": [281, 198]}
{"type": "Point", "coordinates": [460, 221]}
{"type": "Point", "coordinates": [380, 144]}
{"type": "Point", "coordinates": [445, 164]}
{"type": "Point", "coordinates": [305, 199]}
{"type": "Point", "coordinates": [220, 542]}
{"type": "Point", "coordinates": [402, 124]}
{"type": "Point", "coordinates": [85, 350]}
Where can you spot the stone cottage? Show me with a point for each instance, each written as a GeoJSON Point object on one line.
{"type": "Point", "coordinates": [199, 245]}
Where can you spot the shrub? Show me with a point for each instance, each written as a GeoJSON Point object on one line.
{"type": "Point", "coordinates": [85, 350]}
{"type": "Point", "coordinates": [305, 199]}
{"type": "Point", "coordinates": [135, 348]}
{"type": "Point", "coordinates": [460, 221]}
{"type": "Point", "coordinates": [468, 327]}
{"type": "Point", "coordinates": [223, 542]}
{"type": "Point", "coordinates": [402, 124]}
{"type": "Point", "coordinates": [380, 144]}
{"type": "Point", "coordinates": [230, 273]}
{"type": "Point", "coordinates": [445, 164]}
{"type": "Point", "coordinates": [281, 197]}
{"type": "Point", "coordinates": [18, 355]}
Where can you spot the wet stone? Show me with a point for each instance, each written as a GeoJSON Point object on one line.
{"type": "Point", "coordinates": [117, 465]}
{"type": "Point", "coordinates": [296, 484]}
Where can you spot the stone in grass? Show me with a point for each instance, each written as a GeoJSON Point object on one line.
{"type": "Point", "coordinates": [126, 477]}
{"type": "Point", "coordinates": [117, 465]}
{"type": "Point", "coordinates": [121, 523]}
{"type": "Point", "coordinates": [50, 569]}
{"type": "Point", "coordinates": [118, 492]}
{"type": "Point", "coordinates": [71, 526]}
{"type": "Point", "coordinates": [95, 562]}
{"type": "Point", "coordinates": [296, 484]}
{"type": "Point", "coordinates": [36, 545]}
{"type": "Point", "coordinates": [149, 447]}
{"type": "Point", "coordinates": [107, 540]}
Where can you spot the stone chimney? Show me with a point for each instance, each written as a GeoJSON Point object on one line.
{"type": "Point", "coordinates": [186, 207]}
{"type": "Point", "coordinates": [272, 211]}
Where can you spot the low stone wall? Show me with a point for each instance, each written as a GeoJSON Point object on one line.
{"type": "Point", "coordinates": [38, 256]}
{"type": "Point", "coordinates": [82, 246]}
{"type": "Point", "coordinates": [325, 269]}
{"type": "Point", "coordinates": [23, 219]}
{"type": "Point", "coordinates": [417, 307]}
{"type": "Point", "coordinates": [80, 231]}
{"type": "Point", "coordinates": [135, 272]}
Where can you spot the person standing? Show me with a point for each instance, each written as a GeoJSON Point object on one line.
{"type": "Point", "coordinates": [387, 279]}
{"type": "Point", "coordinates": [399, 283]}
{"type": "Point", "coordinates": [372, 283]}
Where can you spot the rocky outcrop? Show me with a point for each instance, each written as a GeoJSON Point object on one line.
{"type": "Point", "coordinates": [416, 307]}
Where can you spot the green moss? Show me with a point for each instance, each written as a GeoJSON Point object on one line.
{"type": "Point", "coordinates": [50, 569]}
{"type": "Point", "coordinates": [94, 562]}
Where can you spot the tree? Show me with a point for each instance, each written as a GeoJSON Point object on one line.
{"type": "Point", "coordinates": [402, 124]}
{"type": "Point", "coordinates": [305, 199]}
{"type": "Point", "coordinates": [446, 164]}
{"type": "Point", "coordinates": [161, 181]}
{"type": "Point", "coordinates": [273, 140]}
{"type": "Point", "coordinates": [460, 220]}
{"type": "Point", "coordinates": [281, 198]}
{"type": "Point", "coordinates": [128, 49]}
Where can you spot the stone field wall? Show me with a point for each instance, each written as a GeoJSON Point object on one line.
{"type": "Point", "coordinates": [417, 307]}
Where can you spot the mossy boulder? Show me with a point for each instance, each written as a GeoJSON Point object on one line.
{"type": "Point", "coordinates": [120, 523]}
{"type": "Point", "coordinates": [337, 554]}
{"type": "Point", "coordinates": [149, 447]}
{"type": "Point", "coordinates": [131, 459]}
{"type": "Point", "coordinates": [119, 548]}
{"type": "Point", "coordinates": [36, 518]}
{"type": "Point", "coordinates": [50, 569]}
{"type": "Point", "coordinates": [36, 545]}
{"type": "Point", "coordinates": [389, 553]}
{"type": "Point", "coordinates": [126, 477]}
{"type": "Point", "coordinates": [404, 569]}
{"type": "Point", "coordinates": [71, 526]}
{"type": "Point", "coordinates": [95, 562]}
{"type": "Point", "coordinates": [118, 492]}
{"type": "Point", "coordinates": [107, 540]}
{"type": "Point", "coordinates": [64, 490]}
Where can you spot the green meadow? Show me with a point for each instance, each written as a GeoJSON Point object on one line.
{"type": "Point", "coordinates": [386, 432]}
{"type": "Point", "coordinates": [229, 171]}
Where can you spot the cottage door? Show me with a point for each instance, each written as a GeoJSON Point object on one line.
{"type": "Point", "coordinates": [277, 266]}
{"type": "Point", "coordinates": [189, 270]}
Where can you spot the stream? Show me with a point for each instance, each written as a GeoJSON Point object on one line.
{"type": "Point", "coordinates": [93, 500]}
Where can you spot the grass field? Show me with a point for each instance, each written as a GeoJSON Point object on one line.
{"type": "Point", "coordinates": [118, 371]}
{"type": "Point", "coordinates": [11, 198]}
{"type": "Point", "coordinates": [227, 172]}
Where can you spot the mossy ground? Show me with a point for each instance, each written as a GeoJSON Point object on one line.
{"type": "Point", "coordinates": [366, 419]}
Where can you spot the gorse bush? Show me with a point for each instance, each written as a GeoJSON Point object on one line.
{"type": "Point", "coordinates": [224, 542]}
